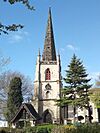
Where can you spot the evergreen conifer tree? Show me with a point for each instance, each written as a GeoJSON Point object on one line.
{"type": "Point", "coordinates": [14, 97]}
{"type": "Point", "coordinates": [75, 92]}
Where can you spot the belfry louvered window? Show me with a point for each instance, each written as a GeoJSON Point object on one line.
{"type": "Point", "coordinates": [47, 74]}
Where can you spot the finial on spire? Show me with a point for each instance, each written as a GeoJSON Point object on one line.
{"type": "Point", "coordinates": [39, 52]}
{"type": "Point", "coordinates": [50, 10]}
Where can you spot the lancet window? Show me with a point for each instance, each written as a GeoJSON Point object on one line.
{"type": "Point", "coordinates": [47, 74]}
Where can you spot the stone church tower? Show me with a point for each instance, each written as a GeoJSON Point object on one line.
{"type": "Point", "coordinates": [47, 83]}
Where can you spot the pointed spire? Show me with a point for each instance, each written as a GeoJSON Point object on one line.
{"type": "Point", "coordinates": [49, 53]}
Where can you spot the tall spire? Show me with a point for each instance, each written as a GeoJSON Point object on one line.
{"type": "Point", "coordinates": [49, 53]}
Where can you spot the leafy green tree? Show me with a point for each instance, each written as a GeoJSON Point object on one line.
{"type": "Point", "coordinates": [25, 2]}
{"type": "Point", "coordinates": [97, 83]}
{"type": "Point", "coordinates": [95, 93]}
{"type": "Point", "coordinates": [95, 97]}
{"type": "Point", "coordinates": [75, 92]}
{"type": "Point", "coordinates": [14, 27]}
{"type": "Point", "coordinates": [15, 98]}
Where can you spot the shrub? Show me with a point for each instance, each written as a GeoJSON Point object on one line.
{"type": "Point", "coordinates": [89, 128]}
{"type": "Point", "coordinates": [82, 128]}
{"type": "Point", "coordinates": [45, 128]}
{"type": "Point", "coordinates": [2, 131]}
{"type": "Point", "coordinates": [10, 130]}
{"type": "Point", "coordinates": [42, 130]}
{"type": "Point", "coordinates": [64, 129]}
{"type": "Point", "coordinates": [30, 129]}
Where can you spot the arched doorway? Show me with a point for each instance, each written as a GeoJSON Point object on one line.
{"type": "Point", "coordinates": [47, 117]}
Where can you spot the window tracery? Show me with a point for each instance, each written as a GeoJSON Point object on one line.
{"type": "Point", "coordinates": [48, 87]}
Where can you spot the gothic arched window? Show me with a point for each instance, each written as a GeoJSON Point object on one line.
{"type": "Point", "coordinates": [47, 74]}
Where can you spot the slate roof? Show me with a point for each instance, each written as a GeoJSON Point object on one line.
{"type": "Point", "coordinates": [30, 109]}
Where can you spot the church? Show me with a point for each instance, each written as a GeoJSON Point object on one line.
{"type": "Point", "coordinates": [47, 83]}
{"type": "Point", "coordinates": [47, 90]}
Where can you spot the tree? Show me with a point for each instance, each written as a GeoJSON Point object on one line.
{"type": "Point", "coordinates": [14, 27]}
{"type": "Point", "coordinates": [15, 97]}
{"type": "Point", "coordinates": [3, 62]}
{"type": "Point", "coordinates": [7, 76]}
{"type": "Point", "coordinates": [95, 96]}
{"type": "Point", "coordinates": [5, 79]}
{"type": "Point", "coordinates": [25, 2]}
{"type": "Point", "coordinates": [97, 83]}
{"type": "Point", "coordinates": [75, 92]}
{"type": "Point", "coordinates": [95, 93]}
